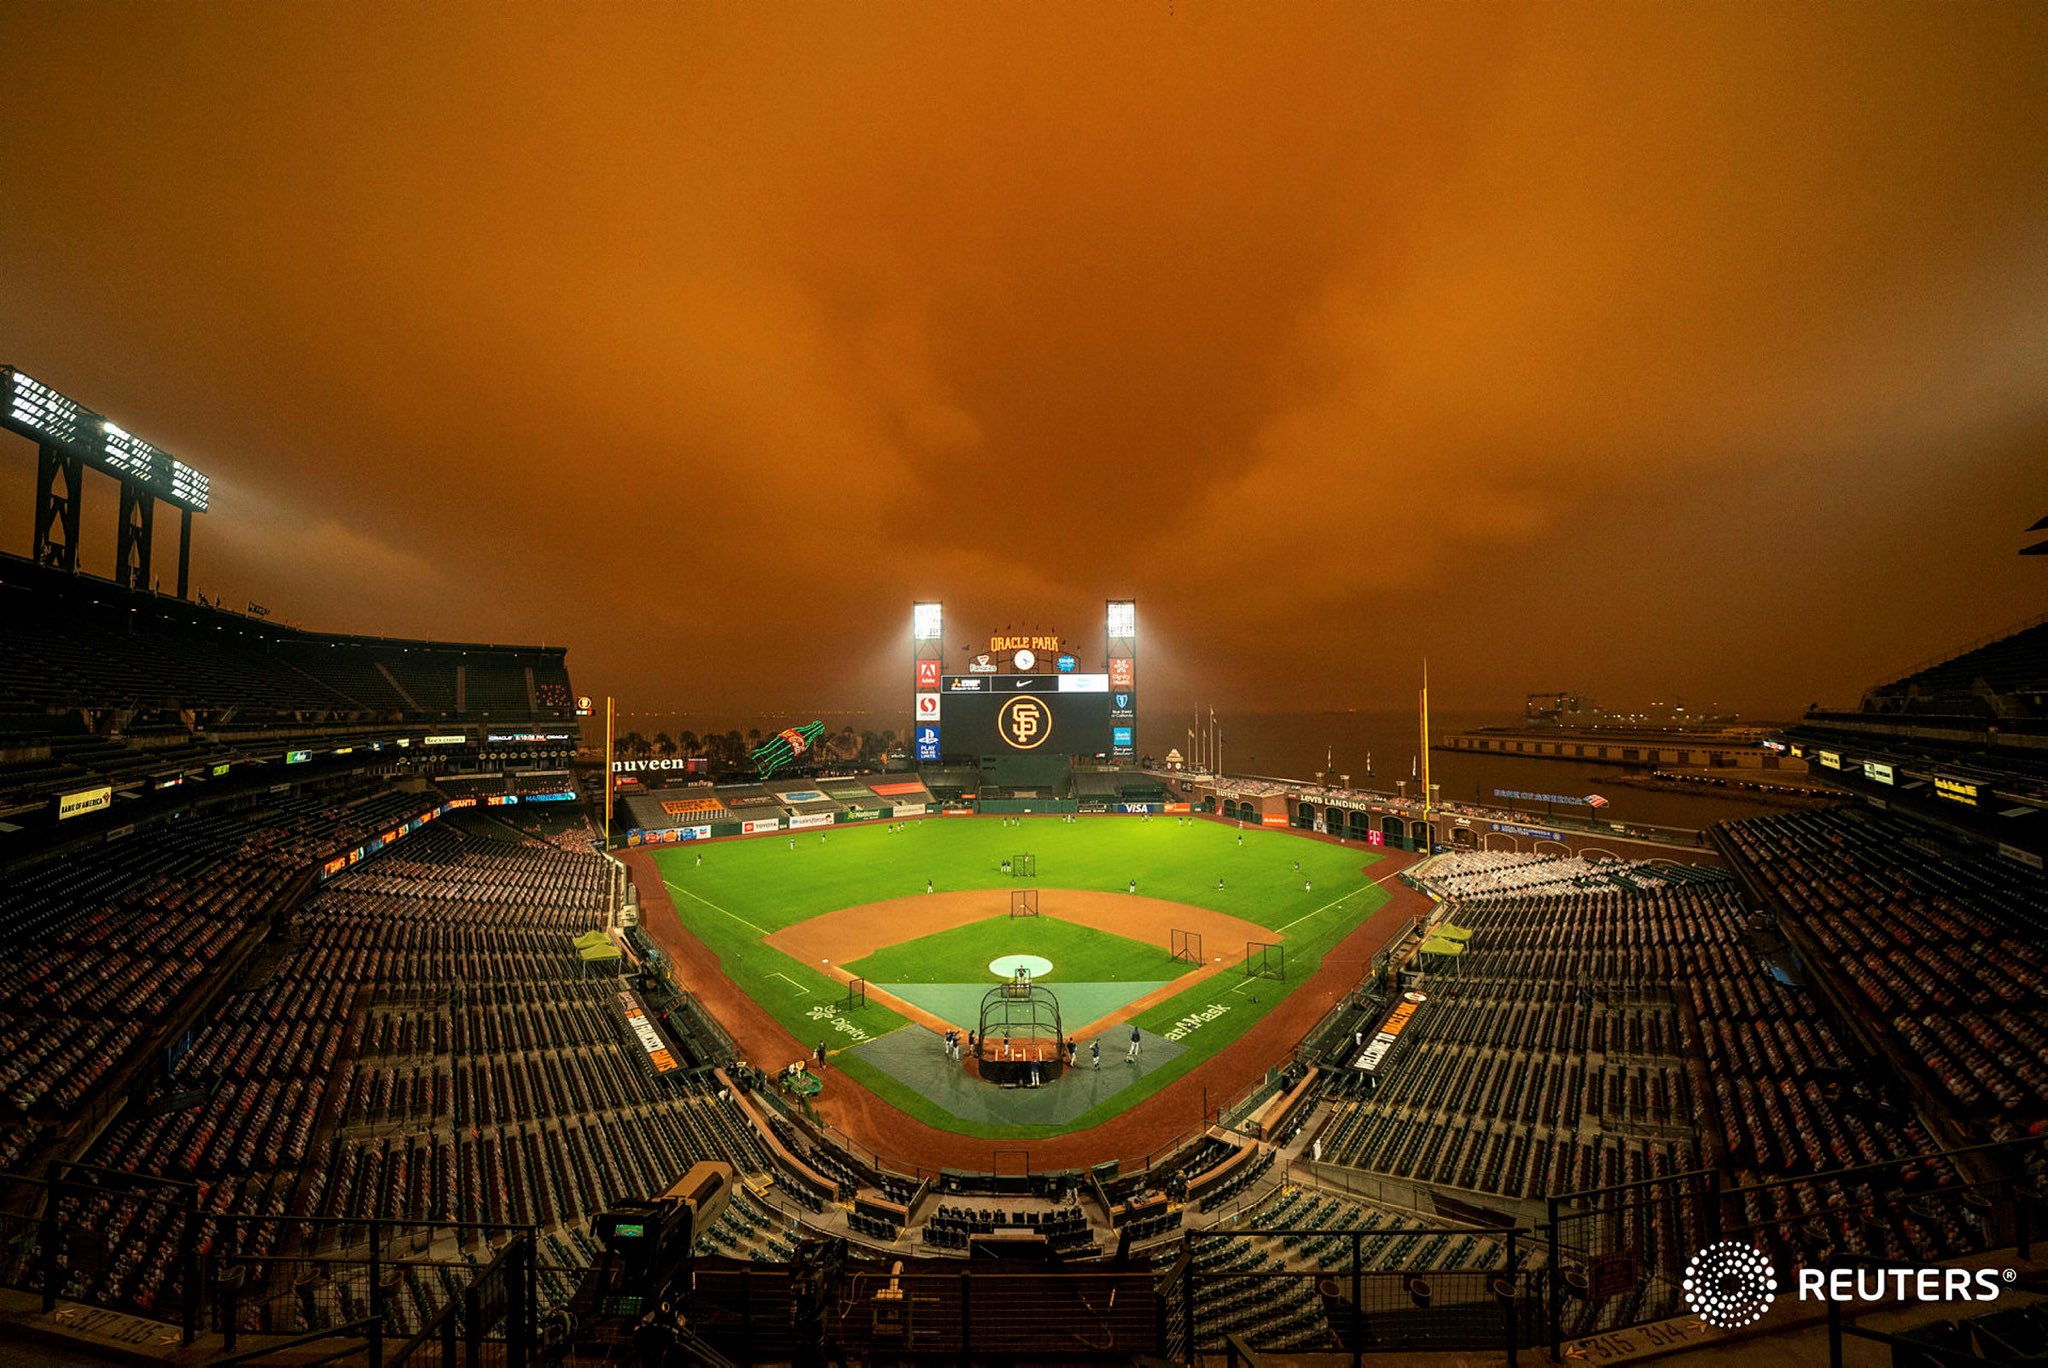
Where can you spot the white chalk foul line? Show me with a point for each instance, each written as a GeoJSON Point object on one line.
{"type": "Point", "coordinates": [676, 887]}
{"type": "Point", "coordinates": [777, 973]}
{"type": "Point", "coordinates": [1319, 911]}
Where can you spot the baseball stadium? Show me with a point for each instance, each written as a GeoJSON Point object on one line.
{"type": "Point", "coordinates": [363, 1009]}
{"type": "Point", "coordinates": [1175, 685]}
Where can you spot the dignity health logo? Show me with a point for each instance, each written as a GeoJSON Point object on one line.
{"type": "Point", "coordinates": [1730, 1285]}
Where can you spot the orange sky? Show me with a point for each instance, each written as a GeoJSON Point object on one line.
{"type": "Point", "coordinates": [1634, 348]}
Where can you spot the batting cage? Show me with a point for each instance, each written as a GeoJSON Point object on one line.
{"type": "Point", "coordinates": [1020, 1031]}
{"type": "Point", "coordinates": [1184, 945]}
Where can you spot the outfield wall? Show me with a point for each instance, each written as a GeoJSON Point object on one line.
{"type": "Point", "coordinates": [768, 826]}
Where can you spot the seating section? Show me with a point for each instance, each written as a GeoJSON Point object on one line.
{"type": "Point", "coordinates": [430, 1047]}
{"type": "Point", "coordinates": [1064, 1226]}
{"type": "Point", "coordinates": [1272, 1312]}
{"type": "Point", "coordinates": [1641, 1024]}
{"type": "Point", "coordinates": [2005, 677]}
{"type": "Point", "coordinates": [101, 951]}
{"type": "Point", "coordinates": [1552, 1059]}
{"type": "Point", "coordinates": [78, 642]}
{"type": "Point", "coordinates": [1945, 946]}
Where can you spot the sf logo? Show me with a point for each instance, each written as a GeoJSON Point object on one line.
{"type": "Point", "coordinates": [1024, 722]}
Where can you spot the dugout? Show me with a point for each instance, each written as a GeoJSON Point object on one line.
{"type": "Point", "coordinates": [1020, 1026]}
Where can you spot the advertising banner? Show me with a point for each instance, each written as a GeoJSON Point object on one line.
{"type": "Point", "coordinates": [1881, 773]}
{"type": "Point", "coordinates": [455, 740]}
{"type": "Point", "coordinates": [1956, 790]}
{"type": "Point", "coordinates": [1135, 807]}
{"type": "Point", "coordinates": [803, 796]}
{"type": "Point", "coordinates": [667, 835]}
{"type": "Point", "coordinates": [1567, 799]}
{"type": "Point", "coordinates": [898, 789]}
{"type": "Point", "coordinates": [84, 801]}
{"type": "Point", "coordinates": [927, 743]}
{"type": "Point", "coordinates": [761, 824]}
{"type": "Point", "coordinates": [1178, 807]}
{"type": "Point", "coordinates": [1123, 673]}
{"type": "Point", "coordinates": [1273, 819]}
{"type": "Point", "coordinates": [928, 707]}
{"type": "Point", "coordinates": [1083, 683]}
{"type": "Point", "coordinates": [810, 819]}
{"type": "Point", "coordinates": [1375, 837]}
{"type": "Point", "coordinates": [1383, 1041]}
{"type": "Point", "coordinates": [861, 814]}
{"type": "Point", "coordinates": [1089, 806]}
{"type": "Point", "coordinates": [683, 807]}
{"type": "Point", "coordinates": [1510, 829]}
{"type": "Point", "coordinates": [643, 1030]}
{"type": "Point", "coordinates": [907, 810]}
{"type": "Point", "coordinates": [1830, 760]}
{"type": "Point", "coordinates": [927, 675]}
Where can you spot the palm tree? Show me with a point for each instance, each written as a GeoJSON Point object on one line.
{"type": "Point", "coordinates": [664, 744]}
{"type": "Point", "coordinates": [688, 741]}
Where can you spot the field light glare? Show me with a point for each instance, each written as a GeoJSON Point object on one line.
{"type": "Point", "coordinates": [130, 455]}
{"type": "Point", "coordinates": [925, 622]}
{"type": "Point", "coordinates": [44, 412]}
{"type": "Point", "coordinates": [1123, 618]}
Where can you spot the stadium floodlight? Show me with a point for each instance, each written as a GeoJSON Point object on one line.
{"type": "Point", "coordinates": [189, 487]}
{"type": "Point", "coordinates": [41, 414]}
{"type": "Point", "coordinates": [126, 455]}
{"type": "Point", "coordinates": [1123, 619]}
{"type": "Point", "coordinates": [925, 622]}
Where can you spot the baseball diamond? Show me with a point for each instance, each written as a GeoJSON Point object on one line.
{"type": "Point", "coordinates": [787, 929]}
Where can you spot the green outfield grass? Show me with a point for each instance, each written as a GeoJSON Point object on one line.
{"type": "Point", "coordinates": [747, 889]}
{"type": "Point", "coordinates": [962, 955]}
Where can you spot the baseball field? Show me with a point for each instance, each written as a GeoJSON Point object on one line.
{"type": "Point", "coordinates": [793, 918]}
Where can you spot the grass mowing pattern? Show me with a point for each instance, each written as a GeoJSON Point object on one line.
{"type": "Point", "coordinates": [1079, 954]}
{"type": "Point", "coordinates": [746, 889]}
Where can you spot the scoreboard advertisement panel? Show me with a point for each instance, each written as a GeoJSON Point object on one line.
{"type": "Point", "coordinates": [1027, 715]}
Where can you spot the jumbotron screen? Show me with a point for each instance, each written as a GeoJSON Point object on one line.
{"type": "Point", "coordinates": [1024, 715]}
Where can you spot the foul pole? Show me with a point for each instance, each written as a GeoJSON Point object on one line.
{"type": "Point", "coordinates": [1428, 833]}
{"type": "Point", "coordinates": [607, 771]}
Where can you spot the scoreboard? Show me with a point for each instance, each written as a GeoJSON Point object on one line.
{"type": "Point", "coordinates": [1025, 698]}
{"type": "Point", "coordinates": [1020, 715]}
